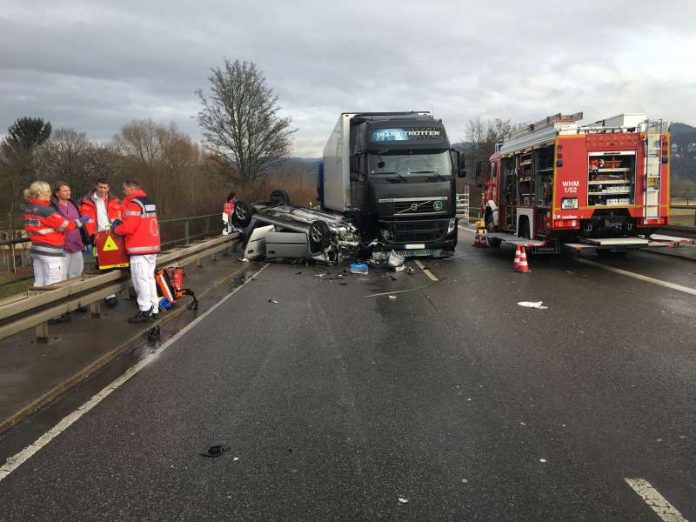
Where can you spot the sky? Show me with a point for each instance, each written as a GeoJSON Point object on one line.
{"type": "Point", "coordinates": [94, 66]}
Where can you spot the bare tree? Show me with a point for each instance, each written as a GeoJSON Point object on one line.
{"type": "Point", "coordinates": [241, 121]}
{"type": "Point", "coordinates": [68, 156]}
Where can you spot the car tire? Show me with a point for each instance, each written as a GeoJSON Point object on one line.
{"type": "Point", "coordinates": [242, 214]}
{"type": "Point", "coordinates": [279, 197]}
{"type": "Point", "coordinates": [319, 236]}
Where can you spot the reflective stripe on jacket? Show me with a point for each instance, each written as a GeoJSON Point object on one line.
{"type": "Point", "coordinates": [88, 207]}
{"type": "Point", "coordinates": [44, 227]}
{"type": "Point", "coordinates": [139, 227]}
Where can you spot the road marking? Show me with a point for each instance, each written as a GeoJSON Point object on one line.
{"type": "Point", "coordinates": [657, 502]}
{"type": "Point", "coordinates": [399, 291]}
{"type": "Point", "coordinates": [426, 271]}
{"type": "Point", "coordinates": [12, 463]}
{"type": "Point", "coordinates": [466, 229]}
{"type": "Point", "coordinates": [666, 284]}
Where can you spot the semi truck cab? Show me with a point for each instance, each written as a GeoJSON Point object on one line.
{"type": "Point", "coordinates": [394, 175]}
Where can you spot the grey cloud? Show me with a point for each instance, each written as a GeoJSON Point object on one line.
{"type": "Point", "coordinates": [93, 67]}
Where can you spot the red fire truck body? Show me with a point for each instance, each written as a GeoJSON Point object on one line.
{"type": "Point", "coordinates": [558, 181]}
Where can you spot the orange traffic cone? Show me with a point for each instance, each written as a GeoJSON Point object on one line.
{"type": "Point", "coordinates": [516, 262]}
{"type": "Point", "coordinates": [523, 267]}
{"type": "Point", "coordinates": [479, 241]}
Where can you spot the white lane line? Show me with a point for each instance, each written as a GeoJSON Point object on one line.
{"type": "Point", "coordinates": [657, 502]}
{"type": "Point", "coordinates": [12, 463]}
{"type": "Point", "coordinates": [426, 271]}
{"type": "Point", "coordinates": [466, 229]}
{"type": "Point", "coordinates": [666, 284]}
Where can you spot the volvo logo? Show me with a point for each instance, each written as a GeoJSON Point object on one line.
{"type": "Point", "coordinates": [437, 206]}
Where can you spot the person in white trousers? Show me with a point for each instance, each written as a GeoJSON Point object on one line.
{"type": "Point", "coordinates": [46, 228]}
{"type": "Point", "coordinates": [140, 230]}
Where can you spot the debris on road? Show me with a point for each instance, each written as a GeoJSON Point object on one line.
{"type": "Point", "coordinates": [358, 268]}
{"type": "Point", "coordinates": [392, 298]}
{"type": "Point", "coordinates": [215, 451]}
{"type": "Point", "coordinates": [321, 275]}
{"type": "Point", "coordinates": [533, 304]}
{"type": "Point", "coordinates": [403, 500]}
{"type": "Point", "coordinates": [243, 260]}
{"type": "Point", "coordinates": [273, 301]}
{"type": "Point", "coordinates": [543, 461]}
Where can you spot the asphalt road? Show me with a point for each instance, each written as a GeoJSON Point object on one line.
{"type": "Point", "coordinates": [448, 401]}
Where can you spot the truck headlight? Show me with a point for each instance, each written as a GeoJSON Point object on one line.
{"type": "Point", "coordinates": [451, 225]}
{"type": "Point", "coordinates": [569, 203]}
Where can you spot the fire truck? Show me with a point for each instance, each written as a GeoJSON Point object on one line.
{"type": "Point", "coordinates": [556, 182]}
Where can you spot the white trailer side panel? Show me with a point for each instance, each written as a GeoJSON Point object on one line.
{"type": "Point", "coordinates": [337, 166]}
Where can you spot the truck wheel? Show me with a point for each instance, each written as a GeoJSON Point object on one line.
{"type": "Point", "coordinates": [493, 242]}
{"type": "Point", "coordinates": [318, 236]}
{"type": "Point", "coordinates": [242, 214]}
{"type": "Point", "coordinates": [279, 197]}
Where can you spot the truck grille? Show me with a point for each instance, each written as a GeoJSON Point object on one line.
{"type": "Point", "coordinates": [418, 232]}
{"type": "Point", "coordinates": [419, 207]}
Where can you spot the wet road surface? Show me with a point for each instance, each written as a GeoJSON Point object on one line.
{"type": "Point", "coordinates": [445, 401]}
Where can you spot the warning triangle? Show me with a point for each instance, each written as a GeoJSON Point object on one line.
{"type": "Point", "coordinates": [109, 245]}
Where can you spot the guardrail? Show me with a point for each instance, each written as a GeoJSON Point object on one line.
{"type": "Point", "coordinates": [192, 227]}
{"type": "Point", "coordinates": [33, 309]}
{"type": "Point", "coordinates": [683, 218]}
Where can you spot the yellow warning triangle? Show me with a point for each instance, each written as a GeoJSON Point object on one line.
{"type": "Point", "coordinates": [109, 244]}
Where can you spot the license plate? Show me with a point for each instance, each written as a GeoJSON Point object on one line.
{"type": "Point", "coordinates": [415, 253]}
{"type": "Point", "coordinates": [415, 246]}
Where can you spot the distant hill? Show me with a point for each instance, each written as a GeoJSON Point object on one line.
{"type": "Point", "coordinates": [684, 154]}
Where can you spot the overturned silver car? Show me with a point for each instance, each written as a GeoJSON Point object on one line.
{"type": "Point", "coordinates": [277, 229]}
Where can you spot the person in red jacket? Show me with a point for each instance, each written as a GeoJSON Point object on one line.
{"type": "Point", "coordinates": [227, 212]}
{"type": "Point", "coordinates": [138, 225]}
{"type": "Point", "coordinates": [102, 208]}
{"type": "Point", "coordinates": [45, 227]}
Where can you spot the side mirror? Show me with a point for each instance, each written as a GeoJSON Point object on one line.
{"type": "Point", "coordinates": [478, 170]}
{"type": "Point", "coordinates": [459, 163]}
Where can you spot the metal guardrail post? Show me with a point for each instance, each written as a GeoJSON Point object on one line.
{"type": "Point", "coordinates": [42, 333]}
{"type": "Point", "coordinates": [186, 232]}
{"type": "Point", "coordinates": [95, 310]}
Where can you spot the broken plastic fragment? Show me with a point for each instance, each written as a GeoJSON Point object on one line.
{"type": "Point", "coordinates": [215, 451]}
{"type": "Point", "coordinates": [543, 461]}
{"type": "Point", "coordinates": [273, 301]}
{"type": "Point", "coordinates": [403, 500]}
{"type": "Point", "coordinates": [243, 260]}
{"type": "Point", "coordinates": [320, 275]}
{"type": "Point", "coordinates": [358, 268]}
{"type": "Point", "coordinates": [392, 297]}
{"type": "Point", "coordinates": [533, 304]}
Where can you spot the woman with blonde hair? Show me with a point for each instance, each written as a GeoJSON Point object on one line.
{"type": "Point", "coordinates": [45, 228]}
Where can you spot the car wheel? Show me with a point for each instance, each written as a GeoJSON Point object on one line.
{"type": "Point", "coordinates": [242, 214]}
{"type": "Point", "coordinates": [319, 235]}
{"type": "Point", "coordinates": [279, 197]}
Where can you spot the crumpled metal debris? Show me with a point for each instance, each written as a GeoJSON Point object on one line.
{"type": "Point", "coordinates": [215, 451]}
{"type": "Point", "coordinates": [403, 500]}
{"type": "Point", "coordinates": [386, 259]}
{"type": "Point", "coordinates": [533, 304]}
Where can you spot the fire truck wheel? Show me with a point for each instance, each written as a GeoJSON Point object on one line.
{"type": "Point", "coordinates": [493, 242]}
{"type": "Point", "coordinates": [279, 197]}
{"type": "Point", "coordinates": [242, 214]}
{"type": "Point", "coordinates": [318, 236]}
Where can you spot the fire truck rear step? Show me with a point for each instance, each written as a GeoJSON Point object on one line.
{"type": "Point", "coordinates": [515, 240]}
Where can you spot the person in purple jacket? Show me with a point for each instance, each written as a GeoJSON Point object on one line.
{"type": "Point", "coordinates": [74, 242]}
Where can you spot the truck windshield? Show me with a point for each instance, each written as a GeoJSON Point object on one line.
{"type": "Point", "coordinates": [437, 164]}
